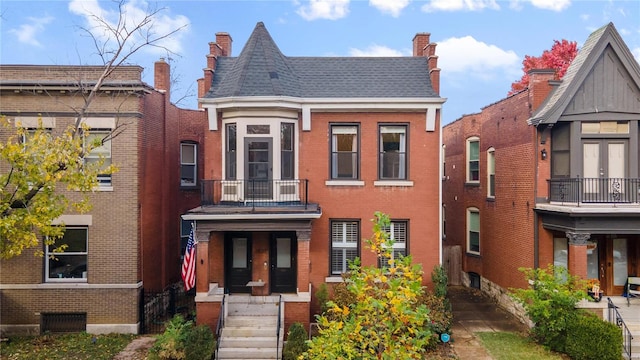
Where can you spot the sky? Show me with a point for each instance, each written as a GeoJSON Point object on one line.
{"type": "Point", "coordinates": [480, 43]}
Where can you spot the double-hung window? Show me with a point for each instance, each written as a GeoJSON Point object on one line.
{"type": "Point", "coordinates": [473, 231]}
{"type": "Point", "coordinates": [286, 151]}
{"type": "Point", "coordinates": [345, 242]}
{"type": "Point", "coordinates": [231, 152]}
{"type": "Point", "coordinates": [72, 262]}
{"type": "Point", "coordinates": [98, 144]}
{"type": "Point", "coordinates": [393, 152]}
{"type": "Point", "coordinates": [473, 160]}
{"type": "Point", "coordinates": [188, 164]}
{"type": "Point", "coordinates": [491, 173]}
{"type": "Point", "coordinates": [398, 232]}
{"type": "Point", "coordinates": [344, 152]}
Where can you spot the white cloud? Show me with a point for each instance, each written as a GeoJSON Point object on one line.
{"type": "Point", "coordinates": [324, 9]}
{"type": "Point", "coordinates": [553, 5]}
{"type": "Point", "coordinates": [26, 33]}
{"type": "Point", "coordinates": [98, 20]}
{"type": "Point", "coordinates": [456, 5]}
{"type": "Point", "coordinates": [585, 17]}
{"type": "Point", "coordinates": [471, 57]}
{"type": "Point", "coordinates": [377, 50]}
{"type": "Point", "coordinates": [392, 7]}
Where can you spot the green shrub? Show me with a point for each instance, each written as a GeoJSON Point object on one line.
{"type": "Point", "coordinates": [296, 342]}
{"type": "Point", "coordinates": [183, 340]}
{"type": "Point", "coordinates": [590, 338]}
{"type": "Point", "coordinates": [440, 281]}
{"type": "Point", "coordinates": [440, 314]}
{"type": "Point", "coordinates": [550, 303]}
{"type": "Point", "coordinates": [322, 295]}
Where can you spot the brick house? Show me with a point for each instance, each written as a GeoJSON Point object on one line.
{"type": "Point", "coordinates": [130, 239]}
{"type": "Point", "coordinates": [299, 154]}
{"type": "Point", "coordinates": [550, 175]}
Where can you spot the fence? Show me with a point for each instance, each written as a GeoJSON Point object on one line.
{"type": "Point", "coordinates": [158, 307]}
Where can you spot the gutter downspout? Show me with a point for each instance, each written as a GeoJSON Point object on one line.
{"type": "Point", "coordinates": [536, 240]}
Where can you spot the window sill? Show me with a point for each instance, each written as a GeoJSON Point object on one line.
{"type": "Point", "coordinates": [472, 183]}
{"type": "Point", "coordinates": [104, 188]}
{"type": "Point", "coordinates": [407, 183]}
{"type": "Point", "coordinates": [334, 279]}
{"type": "Point", "coordinates": [474, 254]}
{"type": "Point", "coordinates": [491, 198]}
{"type": "Point", "coordinates": [344, 183]}
{"type": "Point", "coordinates": [189, 187]}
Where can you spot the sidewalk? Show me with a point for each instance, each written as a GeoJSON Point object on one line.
{"type": "Point", "coordinates": [475, 312]}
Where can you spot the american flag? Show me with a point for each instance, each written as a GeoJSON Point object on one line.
{"type": "Point", "coordinates": [189, 263]}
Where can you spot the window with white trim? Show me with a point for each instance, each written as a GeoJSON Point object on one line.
{"type": "Point", "coordinates": [491, 173]}
{"type": "Point", "coordinates": [287, 158]}
{"type": "Point", "coordinates": [345, 243]}
{"type": "Point", "coordinates": [473, 160]}
{"type": "Point", "coordinates": [344, 152]}
{"type": "Point", "coordinates": [231, 161]}
{"type": "Point", "coordinates": [70, 264]}
{"type": "Point", "coordinates": [188, 164]}
{"type": "Point", "coordinates": [393, 152]}
{"type": "Point", "coordinates": [473, 231]}
{"type": "Point", "coordinates": [99, 143]}
{"type": "Point", "coordinates": [398, 231]}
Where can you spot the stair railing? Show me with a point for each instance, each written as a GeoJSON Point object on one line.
{"type": "Point", "coordinates": [278, 328]}
{"type": "Point", "coordinates": [220, 325]}
{"type": "Point", "coordinates": [616, 318]}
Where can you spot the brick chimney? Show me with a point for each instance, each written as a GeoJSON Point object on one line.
{"type": "Point", "coordinates": [420, 42]}
{"type": "Point", "coordinates": [221, 47]}
{"type": "Point", "coordinates": [224, 40]}
{"type": "Point", "coordinates": [540, 85]}
{"type": "Point", "coordinates": [162, 76]}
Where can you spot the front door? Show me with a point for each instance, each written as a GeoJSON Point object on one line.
{"type": "Point", "coordinates": [283, 271]}
{"type": "Point", "coordinates": [604, 168]}
{"type": "Point", "coordinates": [258, 168]}
{"type": "Point", "coordinates": [237, 263]}
{"type": "Point", "coordinates": [614, 264]}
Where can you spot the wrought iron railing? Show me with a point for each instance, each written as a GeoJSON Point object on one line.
{"type": "Point", "coordinates": [255, 193]}
{"type": "Point", "coordinates": [220, 325]}
{"type": "Point", "coordinates": [615, 318]}
{"type": "Point", "coordinates": [594, 190]}
{"type": "Point", "coordinates": [278, 328]}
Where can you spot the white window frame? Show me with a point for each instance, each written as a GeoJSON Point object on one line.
{"type": "Point", "coordinates": [194, 164]}
{"type": "Point", "coordinates": [491, 172]}
{"type": "Point", "coordinates": [341, 241]}
{"type": "Point", "coordinates": [51, 256]}
{"type": "Point", "coordinates": [402, 152]}
{"type": "Point", "coordinates": [469, 160]}
{"type": "Point", "coordinates": [104, 180]}
{"type": "Point", "coordinates": [473, 210]}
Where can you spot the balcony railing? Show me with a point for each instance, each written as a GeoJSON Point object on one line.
{"type": "Point", "coordinates": [255, 192]}
{"type": "Point", "coordinates": [594, 190]}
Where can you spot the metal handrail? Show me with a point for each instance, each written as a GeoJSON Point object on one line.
{"type": "Point", "coordinates": [220, 325]}
{"type": "Point", "coordinates": [255, 193]}
{"type": "Point", "coordinates": [626, 334]}
{"type": "Point", "coordinates": [278, 328]}
{"type": "Point", "coordinates": [594, 190]}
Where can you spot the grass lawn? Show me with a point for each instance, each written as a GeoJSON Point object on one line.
{"type": "Point", "coordinates": [76, 346]}
{"type": "Point", "coordinates": [507, 346]}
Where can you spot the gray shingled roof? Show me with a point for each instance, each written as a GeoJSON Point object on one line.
{"type": "Point", "coordinates": [556, 103]}
{"type": "Point", "coordinates": [262, 70]}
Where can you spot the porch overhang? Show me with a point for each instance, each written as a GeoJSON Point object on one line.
{"type": "Point", "coordinates": [592, 220]}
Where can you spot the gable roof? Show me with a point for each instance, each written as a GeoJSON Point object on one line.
{"type": "Point", "coordinates": [581, 66]}
{"type": "Point", "coordinates": [262, 70]}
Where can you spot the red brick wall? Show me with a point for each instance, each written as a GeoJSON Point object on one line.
{"type": "Point", "coordinates": [507, 222]}
{"type": "Point", "coordinates": [296, 312]}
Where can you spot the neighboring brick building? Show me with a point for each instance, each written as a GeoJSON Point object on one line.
{"type": "Point", "coordinates": [300, 153]}
{"type": "Point", "coordinates": [130, 239]}
{"type": "Point", "coordinates": [550, 175]}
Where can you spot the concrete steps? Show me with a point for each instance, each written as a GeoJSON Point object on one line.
{"type": "Point", "coordinates": [250, 330]}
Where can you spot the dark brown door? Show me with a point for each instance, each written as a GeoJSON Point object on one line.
{"type": "Point", "coordinates": [283, 271]}
{"type": "Point", "coordinates": [237, 263]}
{"type": "Point", "coordinates": [614, 264]}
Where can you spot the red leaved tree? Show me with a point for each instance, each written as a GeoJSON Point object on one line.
{"type": "Point", "coordinates": [558, 58]}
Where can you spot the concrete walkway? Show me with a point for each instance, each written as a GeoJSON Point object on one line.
{"type": "Point", "coordinates": [137, 349]}
{"type": "Point", "coordinates": [475, 312]}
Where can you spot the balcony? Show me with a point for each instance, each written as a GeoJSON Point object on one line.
{"type": "Point", "coordinates": [594, 191]}
{"type": "Point", "coordinates": [257, 194]}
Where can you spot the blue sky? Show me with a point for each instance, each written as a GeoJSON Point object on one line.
{"type": "Point", "coordinates": [481, 43]}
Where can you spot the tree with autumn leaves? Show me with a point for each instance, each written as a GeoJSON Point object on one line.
{"type": "Point", "coordinates": [386, 320]}
{"type": "Point", "coordinates": [558, 58]}
{"type": "Point", "coordinates": [38, 165]}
